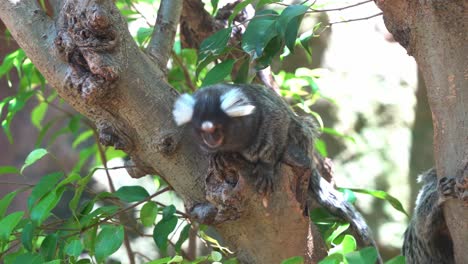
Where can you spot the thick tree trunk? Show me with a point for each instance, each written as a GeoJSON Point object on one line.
{"type": "Point", "coordinates": [421, 157]}
{"type": "Point", "coordinates": [435, 33]}
{"type": "Point", "coordinates": [87, 54]}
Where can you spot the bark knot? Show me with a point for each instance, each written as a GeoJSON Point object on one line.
{"type": "Point", "coordinates": [86, 39]}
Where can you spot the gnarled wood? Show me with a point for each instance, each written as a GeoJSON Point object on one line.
{"type": "Point", "coordinates": [434, 32]}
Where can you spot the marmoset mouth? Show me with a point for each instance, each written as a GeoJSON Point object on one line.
{"type": "Point", "coordinates": [212, 140]}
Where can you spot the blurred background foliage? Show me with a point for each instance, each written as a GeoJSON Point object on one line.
{"type": "Point", "coordinates": [58, 183]}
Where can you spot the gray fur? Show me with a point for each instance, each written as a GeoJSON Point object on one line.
{"type": "Point", "coordinates": [271, 134]}
{"type": "Point", "coordinates": [427, 239]}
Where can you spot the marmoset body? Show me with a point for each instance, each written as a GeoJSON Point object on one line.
{"type": "Point", "coordinates": [256, 123]}
{"type": "Point", "coordinates": [427, 239]}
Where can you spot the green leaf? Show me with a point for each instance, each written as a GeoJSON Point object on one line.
{"type": "Point", "coordinates": [30, 258]}
{"type": "Point", "coordinates": [271, 50]}
{"type": "Point", "coordinates": [41, 211]}
{"type": "Point", "coordinates": [45, 185]}
{"type": "Point", "coordinates": [184, 234]}
{"type": "Point", "coordinates": [237, 9]}
{"type": "Point", "coordinates": [5, 202]}
{"type": "Point", "coordinates": [214, 4]}
{"type": "Point", "coordinates": [261, 3]}
{"type": "Point", "coordinates": [74, 248]}
{"type": "Point", "coordinates": [335, 258]}
{"type": "Point", "coordinates": [293, 260]}
{"type": "Point", "coordinates": [131, 193]}
{"type": "Point", "coordinates": [82, 137]}
{"type": "Point", "coordinates": [108, 241]}
{"type": "Point", "coordinates": [321, 147]}
{"type": "Point", "coordinates": [218, 73]}
{"type": "Point", "coordinates": [215, 44]}
{"type": "Point", "coordinates": [338, 231]}
{"type": "Point", "coordinates": [8, 223]}
{"type": "Point", "coordinates": [348, 244]}
{"type": "Point", "coordinates": [365, 255]}
{"type": "Point", "coordinates": [34, 156]}
{"type": "Point", "coordinates": [148, 213]}
{"type": "Point", "coordinates": [37, 114]}
{"type": "Point", "coordinates": [160, 261]}
{"type": "Point", "coordinates": [89, 239]}
{"type": "Point", "coordinates": [243, 73]}
{"type": "Point", "coordinates": [176, 259]}
{"type": "Point", "coordinates": [9, 170]}
{"type": "Point", "coordinates": [55, 261]}
{"type": "Point", "coordinates": [216, 256]}
{"type": "Point", "coordinates": [289, 14]}
{"type": "Point", "coordinates": [259, 32]}
{"type": "Point", "coordinates": [348, 195]}
{"type": "Point", "coordinates": [384, 196]}
{"type": "Point", "coordinates": [397, 260]}
{"type": "Point", "coordinates": [333, 132]}
{"type": "Point", "coordinates": [143, 34]}
{"type": "Point", "coordinates": [44, 131]}
{"type": "Point", "coordinates": [290, 35]}
{"type": "Point", "coordinates": [49, 246]}
{"type": "Point", "coordinates": [27, 235]}
{"type": "Point", "coordinates": [74, 123]}
{"type": "Point", "coordinates": [168, 211]}
{"type": "Point", "coordinates": [164, 227]}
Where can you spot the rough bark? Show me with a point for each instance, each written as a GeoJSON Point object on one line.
{"type": "Point", "coordinates": [421, 157]}
{"type": "Point", "coordinates": [89, 57]}
{"type": "Point", "coordinates": [434, 32]}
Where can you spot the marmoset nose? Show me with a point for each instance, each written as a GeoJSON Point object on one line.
{"type": "Point", "coordinates": [208, 127]}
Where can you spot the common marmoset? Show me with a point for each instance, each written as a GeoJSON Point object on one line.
{"type": "Point", "coordinates": [427, 239]}
{"type": "Point", "coordinates": [256, 123]}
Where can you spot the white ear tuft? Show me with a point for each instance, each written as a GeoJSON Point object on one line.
{"type": "Point", "coordinates": [235, 103]}
{"type": "Point", "coordinates": [183, 109]}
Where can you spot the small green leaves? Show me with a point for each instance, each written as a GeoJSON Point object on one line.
{"type": "Point", "coordinates": [74, 248]}
{"type": "Point", "coordinates": [27, 235]}
{"type": "Point", "coordinates": [184, 234]}
{"type": "Point", "coordinates": [164, 227]}
{"type": "Point", "coordinates": [143, 35]}
{"type": "Point", "coordinates": [41, 211]}
{"type": "Point", "coordinates": [37, 114]}
{"type": "Point", "coordinates": [148, 213]}
{"type": "Point", "coordinates": [365, 255]}
{"type": "Point", "coordinates": [108, 241]}
{"type": "Point", "coordinates": [5, 202]}
{"type": "Point", "coordinates": [131, 193]}
{"type": "Point", "coordinates": [384, 196]}
{"type": "Point", "coordinates": [397, 260]}
{"type": "Point", "coordinates": [49, 246]}
{"type": "Point", "coordinates": [218, 73]}
{"type": "Point", "coordinates": [215, 44]}
{"type": "Point", "coordinates": [34, 156]}
{"type": "Point", "coordinates": [237, 9]}
{"type": "Point", "coordinates": [216, 256]}
{"type": "Point", "coordinates": [261, 29]}
{"type": "Point", "coordinates": [45, 185]}
{"type": "Point", "coordinates": [9, 170]}
{"type": "Point", "coordinates": [8, 223]}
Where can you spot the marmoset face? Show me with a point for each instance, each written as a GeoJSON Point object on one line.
{"type": "Point", "coordinates": [222, 117]}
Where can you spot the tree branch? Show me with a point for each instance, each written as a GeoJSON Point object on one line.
{"type": "Point", "coordinates": [92, 61]}
{"type": "Point", "coordinates": [162, 40]}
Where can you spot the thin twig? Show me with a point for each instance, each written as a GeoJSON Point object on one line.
{"type": "Point", "coordinates": [338, 8]}
{"type": "Point", "coordinates": [355, 19]}
{"type": "Point", "coordinates": [162, 39]}
{"type": "Point", "coordinates": [179, 63]}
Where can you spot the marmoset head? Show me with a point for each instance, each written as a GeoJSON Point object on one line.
{"type": "Point", "coordinates": [222, 117]}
